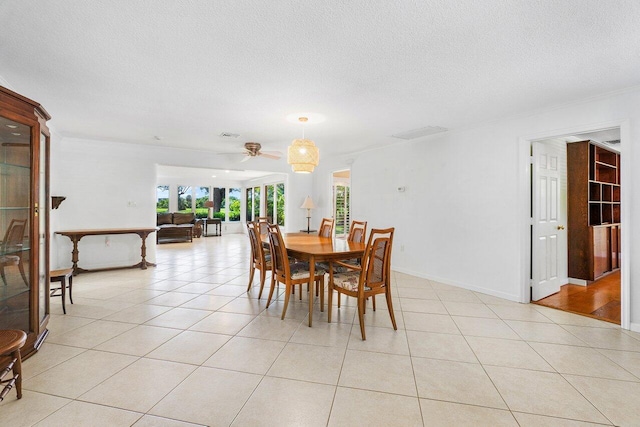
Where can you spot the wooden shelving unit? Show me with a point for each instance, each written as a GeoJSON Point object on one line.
{"type": "Point", "coordinates": [593, 175]}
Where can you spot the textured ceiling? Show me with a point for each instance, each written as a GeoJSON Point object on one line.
{"type": "Point", "coordinates": [188, 70]}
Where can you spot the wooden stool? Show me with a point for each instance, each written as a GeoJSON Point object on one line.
{"type": "Point", "coordinates": [62, 276]}
{"type": "Point", "coordinates": [11, 341]}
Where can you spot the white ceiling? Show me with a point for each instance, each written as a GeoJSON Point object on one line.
{"type": "Point", "coordinates": [188, 70]}
{"type": "Point", "coordinates": [201, 176]}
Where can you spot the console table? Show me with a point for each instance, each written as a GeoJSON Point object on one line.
{"type": "Point", "coordinates": [76, 235]}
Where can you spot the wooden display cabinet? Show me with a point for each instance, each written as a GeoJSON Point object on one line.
{"type": "Point", "coordinates": [593, 187]}
{"type": "Point", "coordinates": [24, 217]}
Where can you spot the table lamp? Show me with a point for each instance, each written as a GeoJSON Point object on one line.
{"type": "Point", "coordinates": [208, 204]}
{"type": "Point", "coordinates": [308, 205]}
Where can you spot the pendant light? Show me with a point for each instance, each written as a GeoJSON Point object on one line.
{"type": "Point", "coordinates": [303, 155]}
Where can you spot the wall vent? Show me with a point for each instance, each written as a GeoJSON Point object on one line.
{"type": "Point", "coordinates": [419, 133]}
{"type": "Point", "coordinates": [229, 135]}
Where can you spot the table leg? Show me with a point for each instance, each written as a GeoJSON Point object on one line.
{"type": "Point", "coordinates": [312, 285]}
{"type": "Point", "coordinates": [143, 251]}
{"type": "Point", "coordinates": [74, 253]}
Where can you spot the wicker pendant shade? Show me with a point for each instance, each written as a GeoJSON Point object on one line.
{"type": "Point", "coordinates": [303, 155]}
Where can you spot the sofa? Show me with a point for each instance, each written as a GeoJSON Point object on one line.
{"type": "Point", "coordinates": [177, 227]}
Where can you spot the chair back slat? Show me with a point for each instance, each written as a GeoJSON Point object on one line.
{"type": "Point", "coordinates": [357, 232]}
{"type": "Point", "coordinates": [377, 259]}
{"type": "Point", "coordinates": [15, 234]}
{"type": "Point", "coordinates": [279, 258]}
{"type": "Point", "coordinates": [257, 252]}
{"type": "Point", "coordinates": [326, 227]}
{"type": "Point", "coordinates": [263, 224]}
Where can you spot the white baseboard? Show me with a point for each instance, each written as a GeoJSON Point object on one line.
{"type": "Point", "coordinates": [635, 327]}
{"type": "Point", "coordinates": [580, 282]}
{"type": "Point", "coordinates": [466, 286]}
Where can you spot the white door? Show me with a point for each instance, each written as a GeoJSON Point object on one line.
{"type": "Point", "coordinates": [549, 236]}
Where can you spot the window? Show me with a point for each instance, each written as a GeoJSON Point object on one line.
{"type": "Point", "coordinates": [184, 199]}
{"type": "Point", "coordinates": [268, 200]}
{"type": "Point", "coordinates": [202, 195]}
{"type": "Point", "coordinates": [280, 204]}
{"type": "Point", "coordinates": [162, 198]}
{"type": "Point", "coordinates": [274, 203]}
{"type": "Point", "coordinates": [253, 203]}
{"type": "Point", "coordinates": [256, 202]}
{"type": "Point", "coordinates": [219, 203]}
{"type": "Point", "coordinates": [249, 206]}
{"type": "Point", "coordinates": [234, 204]}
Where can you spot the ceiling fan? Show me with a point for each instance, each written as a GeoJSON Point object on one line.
{"type": "Point", "coordinates": [252, 149]}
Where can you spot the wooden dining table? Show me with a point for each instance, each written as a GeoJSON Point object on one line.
{"type": "Point", "coordinates": [313, 248]}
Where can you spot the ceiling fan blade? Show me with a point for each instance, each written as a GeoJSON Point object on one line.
{"type": "Point", "coordinates": [246, 157]}
{"type": "Point", "coordinates": [271, 154]}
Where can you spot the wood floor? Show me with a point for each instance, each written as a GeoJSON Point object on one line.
{"type": "Point", "coordinates": [600, 300]}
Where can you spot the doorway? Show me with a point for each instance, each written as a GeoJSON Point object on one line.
{"type": "Point", "coordinates": [341, 189]}
{"type": "Point", "coordinates": [576, 223]}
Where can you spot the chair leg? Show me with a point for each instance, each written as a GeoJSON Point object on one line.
{"type": "Point", "coordinates": [24, 276]}
{"type": "Point", "coordinates": [361, 317]}
{"type": "Point", "coordinates": [63, 290]}
{"type": "Point", "coordinates": [252, 271]}
{"type": "Point", "coordinates": [390, 308]}
{"type": "Point", "coordinates": [330, 291]}
{"type": "Point", "coordinates": [4, 279]}
{"type": "Point", "coordinates": [373, 300]}
{"type": "Point", "coordinates": [339, 298]}
{"type": "Point", "coordinates": [263, 276]}
{"type": "Point", "coordinates": [273, 279]}
{"type": "Point", "coordinates": [321, 286]}
{"type": "Point", "coordinates": [17, 372]}
{"type": "Point", "coordinates": [287, 295]}
{"type": "Point", "coordinates": [71, 288]}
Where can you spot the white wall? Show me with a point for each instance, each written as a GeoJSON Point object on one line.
{"type": "Point", "coordinates": [460, 220]}
{"type": "Point", "coordinates": [99, 180]}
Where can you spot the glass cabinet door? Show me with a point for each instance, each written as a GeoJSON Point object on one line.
{"type": "Point", "coordinates": [15, 251]}
{"type": "Point", "coordinates": [43, 220]}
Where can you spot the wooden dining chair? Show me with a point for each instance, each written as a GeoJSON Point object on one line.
{"type": "Point", "coordinates": [326, 227]}
{"type": "Point", "coordinates": [11, 341]}
{"type": "Point", "coordinates": [11, 249]}
{"type": "Point", "coordinates": [373, 278]}
{"type": "Point", "coordinates": [259, 259]}
{"type": "Point", "coordinates": [357, 234]}
{"type": "Point", "coordinates": [287, 272]}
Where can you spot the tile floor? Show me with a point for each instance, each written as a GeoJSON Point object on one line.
{"type": "Point", "coordinates": [183, 344]}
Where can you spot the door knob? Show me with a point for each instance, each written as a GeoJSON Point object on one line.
{"type": "Point", "coordinates": [561, 227]}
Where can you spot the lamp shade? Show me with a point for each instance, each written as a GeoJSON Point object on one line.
{"type": "Point", "coordinates": [208, 204]}
{"type": "Point", "coordinates": [303, 155]}
{"type": "Point", "coordinates": [308, 203]}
